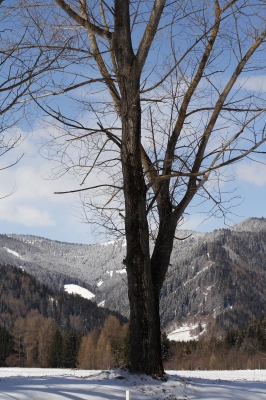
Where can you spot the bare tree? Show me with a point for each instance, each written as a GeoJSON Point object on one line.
{"type": "Point", "coordinates": [21, 63]}
{"type": "Point", "coordinates": [10, 93]}
{"type": "Point", "coordinates": [158, 101]}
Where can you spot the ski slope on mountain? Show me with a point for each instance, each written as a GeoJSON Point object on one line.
{"type": "Point", "coordinates": [59, 384]}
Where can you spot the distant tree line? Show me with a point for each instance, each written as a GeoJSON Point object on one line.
{"type": "Point", "coordinates": [37, 341]}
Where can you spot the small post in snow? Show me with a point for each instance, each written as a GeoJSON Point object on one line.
{"type": "Point", "coordinates": [127, 395]}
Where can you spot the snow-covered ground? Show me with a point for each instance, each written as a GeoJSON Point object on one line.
{"type": "Point", "coordinates": [76, 289]}
{"type": "Point", "coordinates": [59, 384]}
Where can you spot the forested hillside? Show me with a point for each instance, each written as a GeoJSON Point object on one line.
{"type": "Point", "coordinates": [22, 295]}
{"type": "Point", "coordinates": [216, 278]}
{"type": "Point", "coordinates": [54, 263]}
{"type": "Point", "coordinates": [222, 278]}
{"type": "Point", "coordinates": [36, 341]}
{"type": "Point", "coordinates": [40, 327]}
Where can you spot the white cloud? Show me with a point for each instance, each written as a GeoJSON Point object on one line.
{"type": "Point", "coordinates": [253, 173]}
{"type": "Point", "coordinates": [256, 83]}
{"type": "Point", "coordinates": [26, 215]}
{"type": "Point", "coordinates": [30, 183]}
{"type": "Point", "coordinates": [33, 202]}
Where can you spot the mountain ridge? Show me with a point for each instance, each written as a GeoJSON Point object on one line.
{"type": "Point", "coordinates": [215, 277]}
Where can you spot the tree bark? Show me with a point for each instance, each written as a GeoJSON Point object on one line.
{"type": "Point", "coordinates": [145, 347]}
{"type": "Point", "coordinates": [145, 344]}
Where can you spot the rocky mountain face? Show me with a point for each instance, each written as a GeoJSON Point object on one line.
{"type": "Point", "coordinates": [216, 279]}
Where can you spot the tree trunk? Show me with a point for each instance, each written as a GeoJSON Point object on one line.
{"type": "Point", "coordinates": [145, 333]}
{"type": "Point", "coordinates": [145, 342]}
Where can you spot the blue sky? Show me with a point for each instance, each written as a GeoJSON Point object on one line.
{"type": "Point", "coordinates": [34, 209]}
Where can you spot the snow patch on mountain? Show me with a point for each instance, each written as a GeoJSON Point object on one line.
{"type": "Point", "coordinates": [75, 289]}
{"type": "Point", "coordinates": [199, 272]}
{"type": "Point", "coordinates": [101, 304]}
{"type": "Point", "coordinates": [13, 252]}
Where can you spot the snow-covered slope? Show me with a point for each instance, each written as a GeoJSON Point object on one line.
{"type": "Point", "coordinates": [219, 274]}
{"type": "Point", "coordinates": [250, 225]}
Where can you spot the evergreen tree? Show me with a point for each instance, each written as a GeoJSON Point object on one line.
{"type": "Point", "coordinates": [166, 347]}
{"type": "Point", "coordinates": [71, 343]}
{"type": "Point", "coordinates": [55, 351]}
{"type": "Point", "coordinates": [5, 345]}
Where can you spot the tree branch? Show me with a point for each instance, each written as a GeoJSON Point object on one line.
{"type": "Point", "coordinates": [89, 188]}
{"type": "Point", "coordinates": [83, 22]}
{"type": "Point", "coordinates": [150, 32]}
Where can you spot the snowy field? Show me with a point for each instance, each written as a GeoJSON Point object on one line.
{"type": "Point", "coordinates": [59, 384]}
{"type": "Point", "coordinates": [185, 332]}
